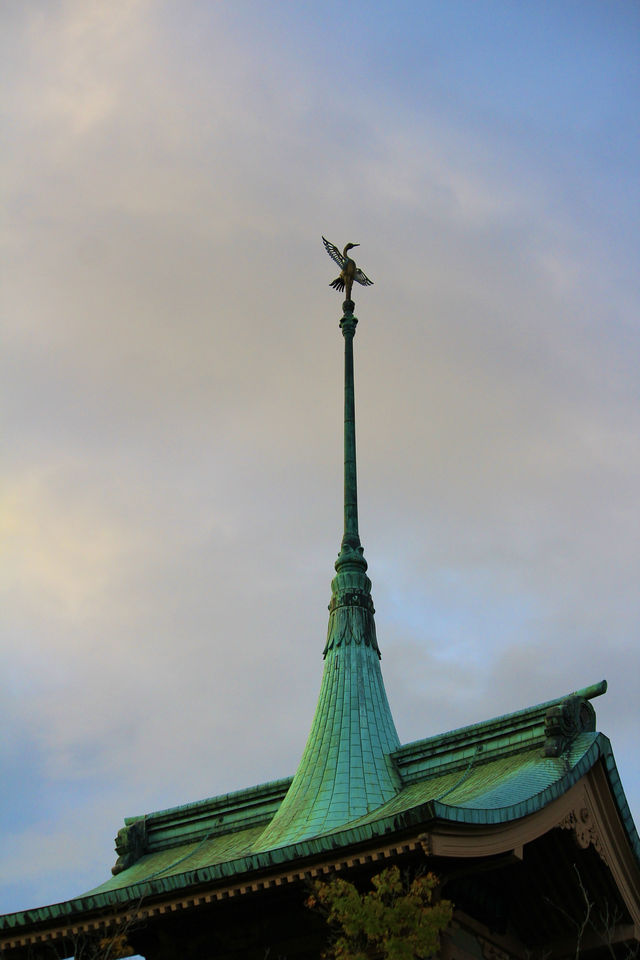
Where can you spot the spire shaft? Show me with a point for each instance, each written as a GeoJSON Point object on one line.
{"type": "Point", "coordinates": [351, 554]}
{"type": "Point", "coordinates": [351, 536]}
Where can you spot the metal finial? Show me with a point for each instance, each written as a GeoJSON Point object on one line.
{"type": "Point", "coordinates": [348, 270]}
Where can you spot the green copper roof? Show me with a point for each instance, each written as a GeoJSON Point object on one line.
{"type": "Point", "coordinates": [489, 773]}
{"type": "Point", "coordinates": [495, 792]}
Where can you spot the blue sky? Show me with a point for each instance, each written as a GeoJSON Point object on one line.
{"type": "Point", "coordinates": [172, 372]}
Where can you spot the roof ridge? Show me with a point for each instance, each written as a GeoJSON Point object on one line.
{"type": "Point", "coordinates": [533, 714]}
{"type": "Point", "coordinates": [258, 789]}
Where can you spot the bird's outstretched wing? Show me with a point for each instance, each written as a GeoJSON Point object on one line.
{"type": "Point", "coordinates": [333, 252]}
{"type": "Point", "coordinates": [362, 278]}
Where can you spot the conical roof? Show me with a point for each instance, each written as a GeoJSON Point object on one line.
{"type": "Point", "coordinates": [346, 770]}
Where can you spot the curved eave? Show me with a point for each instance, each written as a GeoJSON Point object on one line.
{"type": "Point", "coordinates": [535, 802]}
{"type": "Point", "coordinates": [599, 749]}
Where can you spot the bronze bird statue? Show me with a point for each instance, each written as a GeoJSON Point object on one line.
{"type": "Point", "coordinates": [348, 270]}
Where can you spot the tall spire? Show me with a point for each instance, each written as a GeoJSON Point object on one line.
{"type": "Point", "coordinates": [346, 769]}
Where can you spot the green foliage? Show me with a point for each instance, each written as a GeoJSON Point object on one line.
{"type": "Point", "coordinates": [394, 921]}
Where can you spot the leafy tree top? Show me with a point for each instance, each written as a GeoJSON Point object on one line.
{"type": "Point", "coordinates": [396, 920]}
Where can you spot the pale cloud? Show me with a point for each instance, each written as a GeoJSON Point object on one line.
{"type": "Point", "coordinates": [76, 54]}
{"type": "Point", "coordinates": [63, 557]}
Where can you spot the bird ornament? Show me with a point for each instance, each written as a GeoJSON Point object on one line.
{"type": "Point", "coordinates": [348, 269]}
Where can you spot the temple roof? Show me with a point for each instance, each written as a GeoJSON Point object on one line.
{"type": "Point", "coordinates": [488, 774]}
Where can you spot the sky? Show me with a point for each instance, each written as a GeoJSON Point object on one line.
{"type": "Point", "coordinates": [172, 372]}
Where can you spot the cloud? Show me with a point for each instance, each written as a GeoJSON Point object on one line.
{"type": "Point", "coordinates": [74, 83]}
{"type": "Point", "coordinates": [63, 559]}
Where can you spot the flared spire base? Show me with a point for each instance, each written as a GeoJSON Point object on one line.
{"type": "Point", "coordinates": [346, 770]}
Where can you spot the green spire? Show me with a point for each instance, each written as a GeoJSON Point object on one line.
{"type": "Point", "coordinates": [346, 769]}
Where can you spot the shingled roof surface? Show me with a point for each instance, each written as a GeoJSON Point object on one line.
{"type": "Point", "coordinates": [488, 773]}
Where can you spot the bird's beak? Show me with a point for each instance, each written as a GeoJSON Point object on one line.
{"type": "Point", "coordinates": [355, 244]}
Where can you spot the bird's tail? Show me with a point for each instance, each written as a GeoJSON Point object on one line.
{"type": "Point", "coordinates": [338, 284]}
